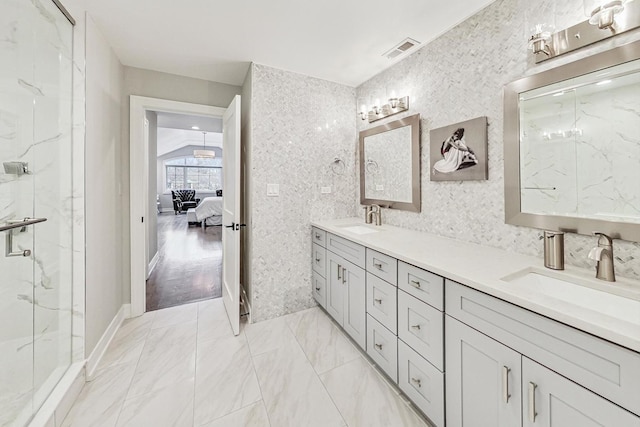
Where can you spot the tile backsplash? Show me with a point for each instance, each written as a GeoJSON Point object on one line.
{"type": "Point", "coordinates": [460, 76]}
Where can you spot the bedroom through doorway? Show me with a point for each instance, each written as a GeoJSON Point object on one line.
{"type": "Point", "coordinates": [185, 209]}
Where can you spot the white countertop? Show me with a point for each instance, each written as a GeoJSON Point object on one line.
{"type": "Point", "coordinates": [482, 268]}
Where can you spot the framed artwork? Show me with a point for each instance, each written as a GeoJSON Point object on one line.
{"type": "Point", "coordinates": [459, 152]}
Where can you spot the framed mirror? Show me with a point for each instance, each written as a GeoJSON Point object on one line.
{"type": "Point", "coordinates": [572, 146]}
{"type": "Point", "coordinates": [390, 165]}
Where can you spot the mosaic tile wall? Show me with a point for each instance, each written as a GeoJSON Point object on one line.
{"type": "Point", "coordinates": [299, 126]}
{"type": "Point", "coordinates": [460, 76]}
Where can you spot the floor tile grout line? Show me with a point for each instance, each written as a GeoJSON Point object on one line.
{"type": "Point", "coordinates": [317, 375]}
{"type": "Point", "coordinates": [134, 372]}
{"type": "Point", "coordinates": [253, 365]}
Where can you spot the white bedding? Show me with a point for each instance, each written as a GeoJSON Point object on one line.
{"type": "Point", "coordinates": [208, 207]}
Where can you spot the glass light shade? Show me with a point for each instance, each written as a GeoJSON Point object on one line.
{"type": "Point", "coordinates": [540, 36]}
{"type": "Point", "coordinates": [204, 154]}
{"type": "Point", "coordinates": [602, 13]}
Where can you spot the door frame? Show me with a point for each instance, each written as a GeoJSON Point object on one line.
{"type": "Point", "coordinates": [138, 170]}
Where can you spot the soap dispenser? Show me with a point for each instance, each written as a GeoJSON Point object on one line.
{"type": "Point", "coordinates": [553, 249]}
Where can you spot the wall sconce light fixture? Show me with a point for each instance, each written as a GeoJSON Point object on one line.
{"type": "Point", "coordinates": [606, 18]}
{"type": "Point", "coordinates": [394, 105]}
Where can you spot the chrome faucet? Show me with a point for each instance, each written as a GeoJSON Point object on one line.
{"type": "Point", "coordinates": [367, 217]}
{"type": "Point", "coordinates": [603, 254]}
{"type": "Point", "coordinates": [376, 212]}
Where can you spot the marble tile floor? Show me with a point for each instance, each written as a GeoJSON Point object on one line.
{"type": "Point", "coordinates": [182, 366]}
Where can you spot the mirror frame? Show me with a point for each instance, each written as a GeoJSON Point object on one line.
{"type": "Point", "coordinates": [572, 224]}
{"type": "Point", "coordinates": [414, 122]}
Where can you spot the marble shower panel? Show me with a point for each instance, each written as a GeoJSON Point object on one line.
{"type": "Point", "coordinates": [35, 127]}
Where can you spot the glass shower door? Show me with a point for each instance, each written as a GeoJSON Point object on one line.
{"type": "Point", "coordinates": [35, 184]}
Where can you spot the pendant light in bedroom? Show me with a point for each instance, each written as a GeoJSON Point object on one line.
{"type": "Point", "coordinates": [204, 153]}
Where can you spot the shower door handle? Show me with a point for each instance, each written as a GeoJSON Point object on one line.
{"type": "Point", "coordinates": [22, 225]}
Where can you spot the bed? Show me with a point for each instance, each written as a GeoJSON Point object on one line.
{"type": "Point", "coordinates": [209, 211]}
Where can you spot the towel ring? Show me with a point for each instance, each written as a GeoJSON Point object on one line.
{"type": "Point", "coordinates": [338, 166]}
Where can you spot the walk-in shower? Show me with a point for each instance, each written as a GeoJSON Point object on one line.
{"type": "Point", "coordinates": [36, 40]}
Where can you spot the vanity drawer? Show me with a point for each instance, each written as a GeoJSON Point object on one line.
{"type": "Point", "coordinates": [319, 288]}
{"type": "Point", "coordinates": [422, 382]}
{"type": "Point", "coordinates": [319, 236]}
{"type": "Point", "coordinates": [383, 266]}
{"type": "Point", "coordinates": [382, 346]}
{"type": "Point", "coordinates": [382, 302]}
{"type": "Point", "coordinates": [348, 250]}
{"type": "Point", "coordinates": [319, 260]}
{"type": "Point", "coordinates": [607, 369]}
{"type": "Point", "coordinates": [422, 327]}
{"type": "Point", "coordinates": [422, 284]}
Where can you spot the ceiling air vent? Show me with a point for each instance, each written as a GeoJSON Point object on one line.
{"type": "Point", "coordinates": [401, 48]}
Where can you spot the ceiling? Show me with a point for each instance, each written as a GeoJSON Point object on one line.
{"type": "Point", "coordinates": [184, 121]}
{"type": "Point", "coordinates": [172, 139]}
{"type": "Point", "coordinates": [337, 40]}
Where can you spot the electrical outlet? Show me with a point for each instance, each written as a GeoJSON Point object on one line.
{"type": "Point", "coordinates": [325, 190]}
{"type": "Point", "coordinates": [273, 190]}
{"type": "Point", "coordinates": [379, 187]}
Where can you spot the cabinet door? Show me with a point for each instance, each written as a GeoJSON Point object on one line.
{"type": "Point", "coordinates": [552, 400]}
{"type": "Point", "coordinates": [355, 303]}
{"type": "Point", "coordinates": [335, 300]}
{"type": "Point", "coordinates": [482, 381]}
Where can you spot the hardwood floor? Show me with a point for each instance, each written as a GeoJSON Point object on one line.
{"type": "Point", "coordinates": [189, 265]}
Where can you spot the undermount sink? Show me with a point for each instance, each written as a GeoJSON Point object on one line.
{"type": "Point", "coordinates": [576, 291]}
{"type": "Point", "coordinates": [359, 229]}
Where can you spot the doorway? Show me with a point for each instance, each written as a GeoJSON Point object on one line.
{"type": "Point", "coordinates": [141, 207]}
{"type": "Point", "coordinates": [184, 245]}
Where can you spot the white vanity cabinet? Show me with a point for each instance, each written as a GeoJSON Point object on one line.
{"type": "Point", "coordinates": [507, 366]}
{"type": "Point", "coordinates": [346, 288]}
{"type": "Point", "coordinates": [319, 267]}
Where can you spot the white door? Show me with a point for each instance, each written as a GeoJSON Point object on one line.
{"type": "Point", "coordinates": [145, 182]}
{"type": "Point", "coordinates": [231, 213]}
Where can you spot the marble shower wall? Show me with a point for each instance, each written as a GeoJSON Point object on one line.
{"type": "Point", "coordinates": [460, 76]}
{"type": "Point", "coordinates": [299, 125]}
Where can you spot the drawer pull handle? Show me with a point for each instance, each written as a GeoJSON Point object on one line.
{"type": "Point", "coordinates": [532, 402]}
{"type": "Point", "coordinates": [344, 275]}
{"type": "Point", "coordinates": [317, 236]}
{"type": "Point", "coordinates": [416, 381]}
{"type": "Point", "coordinates": [505, 384]}
{"type": "Point", "coordinates": [415, 284]}
{"type": "Point", "coordinates": [318, 289]}
{"type": "Point", "coordinates": [416, 327]}
{"type": "Point", "coordinates": [339, 270]}
{"type": "Point", "coordinates": [379, 301]}
{"type": "Point", "coordinates": [318, 260]}
{"type": "Point", "coordinates": [377, 265]}
{"type": "Point", "coordinates": [378, 346]}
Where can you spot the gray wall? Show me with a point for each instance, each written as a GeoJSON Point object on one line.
{"type": "Point", "coordinates": [298, 125]}
{"type": "Point", "coordinates": [155, 84]}
{"type": "Point", "coordinates": [165, 197]}
{"type": "Point", "coordinates": [460, 76]}
{"type": "Point", "coordinates": [152, 117]}
{"type": "Point", "coordinates": [104, 180]}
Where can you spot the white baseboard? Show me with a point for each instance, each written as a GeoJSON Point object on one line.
{"type": "Point", "coordinates": [153, 263]}
{"type": "Point", "coordinates": [96, 355]}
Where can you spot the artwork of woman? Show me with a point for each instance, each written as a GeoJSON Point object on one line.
{"type": "Point", "coordinates": [456, 155]}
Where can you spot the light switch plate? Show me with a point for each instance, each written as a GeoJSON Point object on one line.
{"type": "Point", "coordinates": [325, 190]}
{"type": "Point", "coordinates": [273, 190]}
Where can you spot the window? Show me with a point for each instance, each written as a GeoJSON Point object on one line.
{"type": "Point", "coordinates": [195, 174]}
